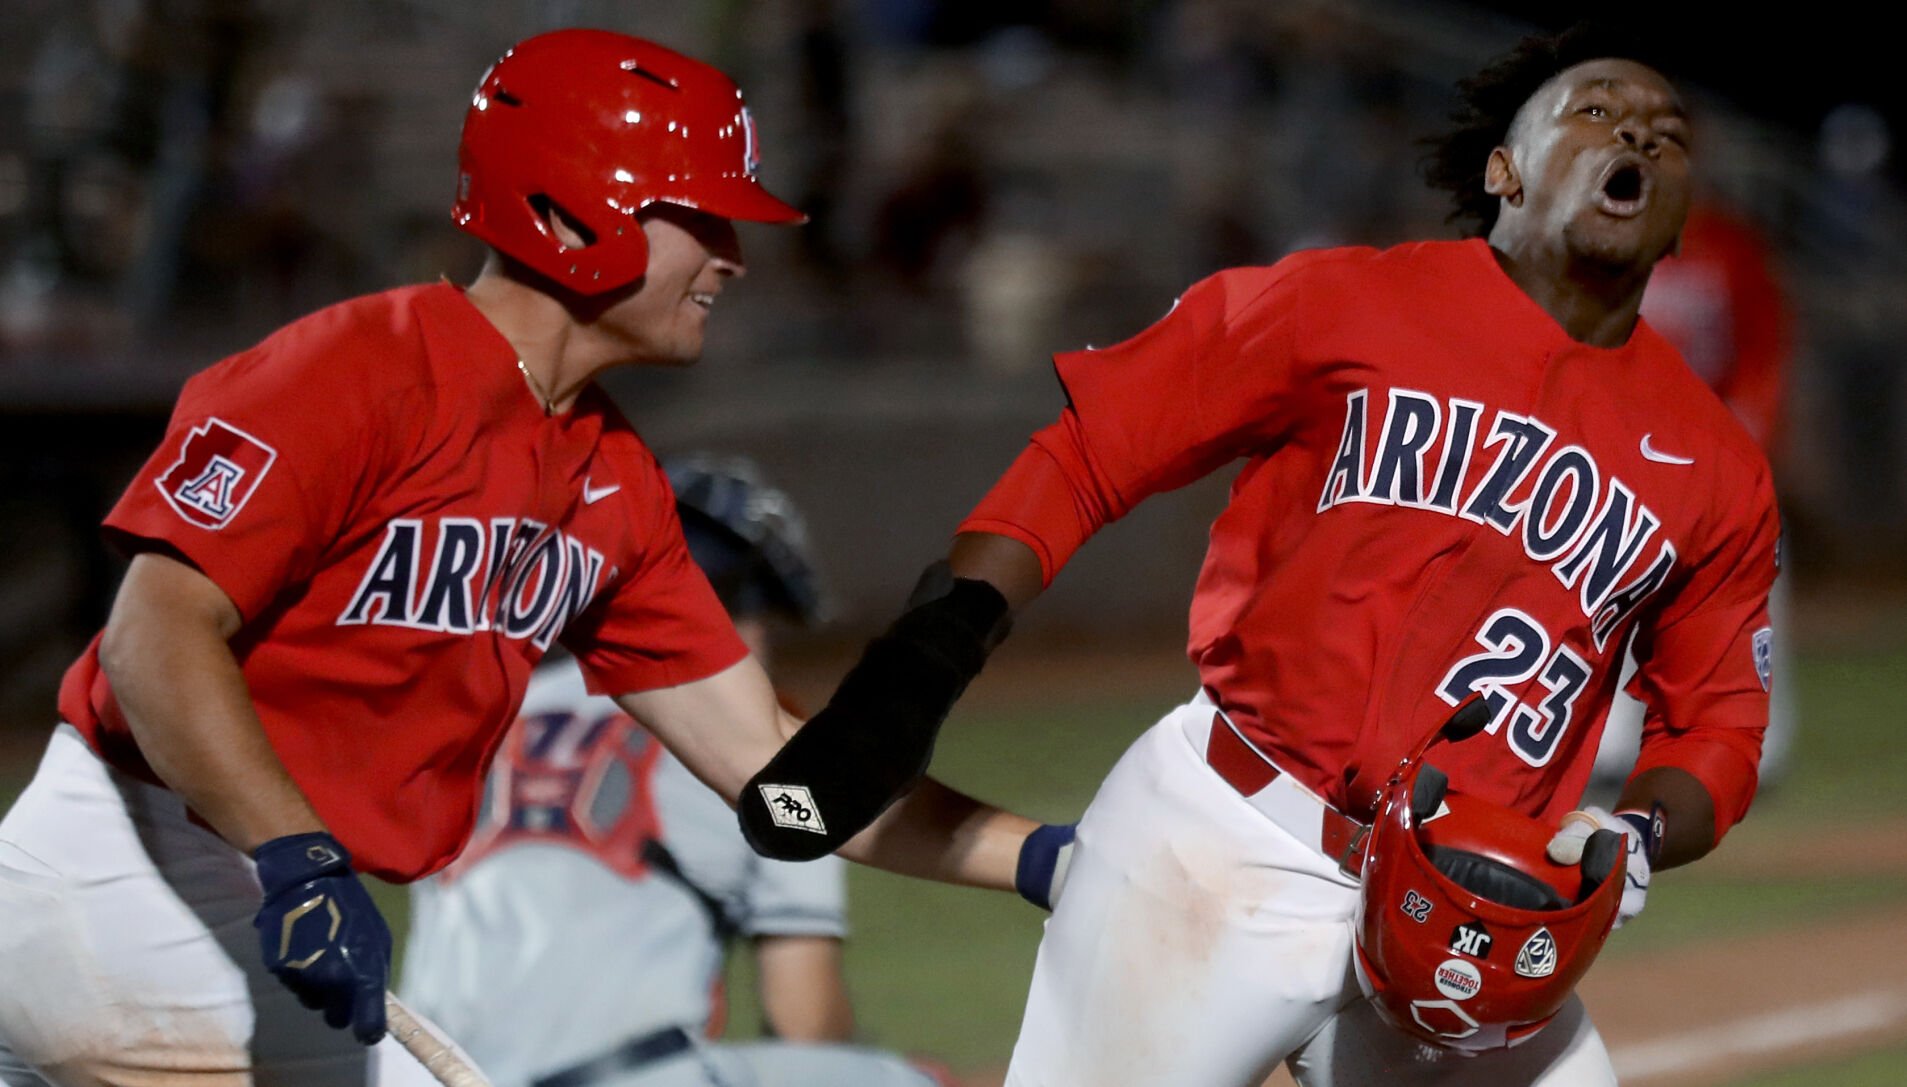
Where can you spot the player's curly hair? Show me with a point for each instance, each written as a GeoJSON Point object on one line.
{"type": "Point", "coordinates": [1490, 99]}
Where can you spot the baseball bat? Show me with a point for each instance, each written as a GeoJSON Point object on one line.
{"type": "Point", "coordinates": [441, 1056]}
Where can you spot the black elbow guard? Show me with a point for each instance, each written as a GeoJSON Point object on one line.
{"type": "Point", "coordinates": [874, 739]}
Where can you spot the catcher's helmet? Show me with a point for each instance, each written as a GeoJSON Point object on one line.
{"type": "Point", "coordinates": [601, 125]}
{"type": "Point", "coordinates": [747, 536]}
{"type": "Point", "coordinates": [1468, 935]}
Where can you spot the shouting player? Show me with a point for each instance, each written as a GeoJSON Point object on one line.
{"type": "Point", "coordinates": [1469, 469]}
{"type": "Point", "coordinates": [580, 937]}
{"type": "Point", "coordinates": [355, 542]}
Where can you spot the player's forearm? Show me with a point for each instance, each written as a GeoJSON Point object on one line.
{"type": "Point", "coordinates": [174, 676]}
{"type": "Point", "coordinates": [1688, 812]}
{"type": "Point", "coordinates": [939, 834]}
{"type": "Point", "coordinates": [1005, 563]}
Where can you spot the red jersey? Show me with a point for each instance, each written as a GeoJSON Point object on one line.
{"type": "Point", "coordinates": [404, 532]}
{"type": "Point", "coordinates": [1442, 492]}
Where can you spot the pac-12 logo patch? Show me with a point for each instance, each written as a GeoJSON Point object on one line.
{"type": "Point", "coordinates": [1765, 656]}
{"type": "Point", "coordinates": [1537, 957]}
{"type": "Point", "coordinates": [219, 467]}
{"type": "Point", "coordinates": [792, 806]}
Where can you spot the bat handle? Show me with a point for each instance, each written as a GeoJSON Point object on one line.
{"type": "Point", "coordinates": [440, 1056]}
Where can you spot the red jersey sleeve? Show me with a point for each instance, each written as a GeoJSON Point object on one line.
{"type": "Point", "coordinates": [662, 625]}
{"type": "Point", "coordinates": [258, 470]}
{"type": "Point", "coordinates": [1206, 384]}
{"type": "Point", "coordinates": [1705, 665]}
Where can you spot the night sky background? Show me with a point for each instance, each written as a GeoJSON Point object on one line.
{"type": "Point", "coordinates": [1781, 62]}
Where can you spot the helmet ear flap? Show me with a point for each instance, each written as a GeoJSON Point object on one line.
{"type": "Point", "coordinates": [626, 238]}
{"type": "Point", "coordinates": [555, 215]}
{"type": "Point", "coordinates": [1601, 853]}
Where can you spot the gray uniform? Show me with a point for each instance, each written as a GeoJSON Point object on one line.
{"type": "Point", "coordinates": [562, 936]}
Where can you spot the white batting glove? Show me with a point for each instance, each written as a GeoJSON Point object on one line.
{"type": "Point", "coordinates": [1640, 836]}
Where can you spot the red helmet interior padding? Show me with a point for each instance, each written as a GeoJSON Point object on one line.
{"type": "Point", "coordinates": [1468, 935]}
{"type": "Point", "coordinates": [602, 125]}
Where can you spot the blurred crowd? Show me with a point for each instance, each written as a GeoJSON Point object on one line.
{"type": "Point", "coordinates": [989, 181]}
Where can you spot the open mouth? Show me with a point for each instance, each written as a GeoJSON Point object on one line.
{"type": "Point", "coordinates": [1625, 190]}
{"type": "Point", "coordinates": [705, 299]}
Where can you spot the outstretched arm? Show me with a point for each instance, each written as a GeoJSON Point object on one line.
{"type": "Point", "coordinates": [1208, 383]}
{"type": "Point", "coordinates": [725, 727]}
{"type": "Point", "coordinates": [873, 741]}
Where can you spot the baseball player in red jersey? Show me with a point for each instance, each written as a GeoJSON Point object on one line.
{"type": "Point", "coordinates": [353, 545]}
{"type": "Point", "coordinates": [1469, 469]}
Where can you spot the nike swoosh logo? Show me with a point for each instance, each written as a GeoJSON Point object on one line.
{"type": "Point", "coordinates": [593, 495]}
{"type": "Point", "coordinates": [1649, 452]}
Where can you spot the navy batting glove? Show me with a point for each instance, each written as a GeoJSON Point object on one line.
{"type": "Point", "coordinates": [1044, 858]}
{"type": "Point", "coordinates": [321, 933]}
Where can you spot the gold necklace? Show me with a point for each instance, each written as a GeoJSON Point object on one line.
{"type": "Point", "coordinates": [549, 405]}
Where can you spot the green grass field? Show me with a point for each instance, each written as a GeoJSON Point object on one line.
{"type": "Point", "coordinates": [942, 971]}
{"type": "Point", "coordinates": [1881, 1068]}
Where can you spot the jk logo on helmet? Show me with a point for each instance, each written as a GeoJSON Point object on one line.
{"type": "Point", "coordinates": [1471, 939]}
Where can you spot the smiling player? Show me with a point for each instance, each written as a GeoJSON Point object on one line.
{"type": "Point", "coordinates": [351, 549]}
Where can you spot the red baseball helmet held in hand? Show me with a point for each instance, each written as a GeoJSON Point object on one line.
{"type": "Point", "coordinates": [601, 125]}
{"type": "Point", "coordinates": [1468, 936]}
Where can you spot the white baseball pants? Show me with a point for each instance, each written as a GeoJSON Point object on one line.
{"type": "Point", "coordinates": [1198, 942]}
{"type": "Point", "coordinates": [127, 954]}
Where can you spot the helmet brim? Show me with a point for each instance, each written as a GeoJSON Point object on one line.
{"type": "Point", "coordinates": [741, 199]}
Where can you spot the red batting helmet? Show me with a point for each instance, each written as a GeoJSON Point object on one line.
{"type": "Point", "coordinates": [602, 125]}
{"type": "Point", "coordinates": [1468, 935]}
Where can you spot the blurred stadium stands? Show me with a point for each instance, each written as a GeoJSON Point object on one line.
{"type": "Point", "coordinates": [989, 181]}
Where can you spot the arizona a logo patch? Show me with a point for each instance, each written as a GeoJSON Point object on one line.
{"type": "Point", "coordinates": [219, 467]}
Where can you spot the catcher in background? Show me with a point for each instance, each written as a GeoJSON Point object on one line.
{"type": "Point", "coordinates": [580, 937]}
{"type": "Point", "coordinates": [1471, 476]}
